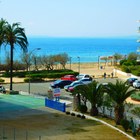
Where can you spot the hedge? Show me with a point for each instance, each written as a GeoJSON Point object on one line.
{"type": "Point", "coordinates": [135, 96]}
{"type": "Point", "coordinates": [42, 73]}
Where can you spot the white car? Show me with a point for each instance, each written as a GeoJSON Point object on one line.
{"type": "Point", "coordinates": [85, 80]}
{"type": "Point", "coordinates": [72, 84]}
{"type": "Point", "coordinates": [80, 76]}
{"type": "Point", "coordinates": [136, 84]}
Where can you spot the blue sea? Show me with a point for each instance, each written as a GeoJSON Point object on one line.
{"type": "Point", "coordinates": [88, 49]}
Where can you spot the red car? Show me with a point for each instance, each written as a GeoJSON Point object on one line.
{"type": "Point", "coordinates": [69, 77]}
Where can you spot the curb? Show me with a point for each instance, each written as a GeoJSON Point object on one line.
{"type": "Point", "coordinates": [103, 122]}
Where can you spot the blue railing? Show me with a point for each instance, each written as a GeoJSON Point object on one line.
{"type": "Point", "coordinates": [55, 105]}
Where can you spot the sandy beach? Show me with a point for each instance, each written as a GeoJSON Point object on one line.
{"type": "Point", "coordinates": [92, 69]}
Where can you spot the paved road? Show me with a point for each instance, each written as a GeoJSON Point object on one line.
{"type": "Point", "coordinates": [42, 88]}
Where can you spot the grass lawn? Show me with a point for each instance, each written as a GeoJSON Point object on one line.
{"type": "Point", "coordinates": [54, 126]}
{"type": "Point", "coordinates": [22, 117]}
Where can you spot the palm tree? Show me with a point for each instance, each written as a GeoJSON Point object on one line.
{"type": "Point", "coordinates": [119, 92]}
{"type": "Point", "coordinates": [14, 34]}
{"type": "Point", "coordinates": [93, 92]}
{"type": "Point", "coordinates": [3, 24]}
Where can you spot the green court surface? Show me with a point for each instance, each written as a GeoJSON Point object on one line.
{"type": "Point", "coordinates": [19, 102]}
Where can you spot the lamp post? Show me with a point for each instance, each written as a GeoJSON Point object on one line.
{"type": "Point", "coordinates": [29, 61]}
{"type": "Point", "coordinates": [98, 62]}
{"type": "Point", "coordinates": [78, 64]}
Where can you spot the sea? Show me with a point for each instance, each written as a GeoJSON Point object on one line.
{"type": "Point", "coordinates": [87, 49]}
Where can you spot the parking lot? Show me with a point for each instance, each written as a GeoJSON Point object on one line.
{"type": "Point", "coordinates": [42, 88]}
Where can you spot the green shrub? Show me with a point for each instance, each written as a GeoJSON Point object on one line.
{"type": "Point", "coordinates": [83, 108]}
{"type": "Point", "coordinates": [33, 79]}
{"type": "Point", "coordinates": [136, 72]}
{"type": "Point", "coordinates": [2, 80]}
{"type": "Point", "coordinates": [13, 92]}
{"type": "Point", "coordinates": [136, 96]}
{"type": "Point", "coordinates": [126, 69]}
{"type": "Point", "coordinates": [125, 124]}
{"type": "Point", "coordinates": [122, 61]}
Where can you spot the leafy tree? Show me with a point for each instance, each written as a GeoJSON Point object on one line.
{"type": "Point", "coordinates": [119, 92]}
{"type": "Point", "coordinates": [35, 60]}
{"type": "Point", "coordinates": [93, 92]}
{"type": "Point", "coordinates": [117, 57]}
{"type": "Point", "coordinates": [14, 34]}
{"type": "Point", "coordinates": [105, 59]}
{"type": "Point", "coordinates": [132, 56]}
{"type": "Point", "coordinates": [25, 60]}
{"type": "Point", "coordinates": [62, 59]}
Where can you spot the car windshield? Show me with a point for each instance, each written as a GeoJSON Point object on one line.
{"type": "Point", "coordinates": [58, 81]}
{"type": "Point", "coordinates": [74, 83]}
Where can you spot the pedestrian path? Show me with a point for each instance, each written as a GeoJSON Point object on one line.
{"type": "Point", "coordinates": [19, 102]}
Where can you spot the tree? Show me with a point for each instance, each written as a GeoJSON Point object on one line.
{"type": "Point", "coordinates": [14, 34]}
{"type": "Point", "coordinates": [25, 60]}
{"type": "Point", "coordinates": [132, 56]}
{"type": "Point", "coordinates": [119, 92]}
{"type": "Point", "coordinates": [62, 59]}
{"type": "Point", "coordinates": [3, 24]}
{"type": "Point", "coordinates": [93, 92]}
{"type": "Point", "coordinates": [117, 57]}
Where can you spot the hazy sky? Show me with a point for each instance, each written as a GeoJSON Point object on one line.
{"type": "Point", "coordinates": [73, 18]}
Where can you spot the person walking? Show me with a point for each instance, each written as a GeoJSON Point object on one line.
{"type": "Point", "coordinates": [105, 75]}
{"type": "Point", "coordinates": [112, 74]}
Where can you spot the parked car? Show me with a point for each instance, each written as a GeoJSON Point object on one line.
{"type": "Point", "coordinates": [130, 81]}
{"type": "Point", "coordinates": [85, 80]}
{"type": "Point", "coordinates": [2, 89]}
{"type": "Point", "coordinates": [71, 85]}
{"type": "Point", "coordinates": [60, 83]}
{"type": "Point", "coordinates": [81, 76]}
{"type": "Point", "coordinates": [136, 84]}
{"type": "Point", "coordinates": [70, 89]}
{"type": "Point", "coordinates": [69, 77]}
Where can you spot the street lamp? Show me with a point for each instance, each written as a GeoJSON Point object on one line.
{"type": "Point", "coordinates": [29, 61]}
{"type": "Point", "coordinates": [98, 62]}
{"type": "Point", "coordinates": [78, 64]}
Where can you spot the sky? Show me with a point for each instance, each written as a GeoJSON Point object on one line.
{"type": "Point", "coordinates": [73, 18]}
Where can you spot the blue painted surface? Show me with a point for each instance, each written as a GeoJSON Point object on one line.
{"type": "Point", "coordinates": [55, 105]}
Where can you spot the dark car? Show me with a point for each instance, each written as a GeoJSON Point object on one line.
{"type": "Point", "coordinates": [130, 81]}
{"type": "Point", "coordinates": [60, 83]}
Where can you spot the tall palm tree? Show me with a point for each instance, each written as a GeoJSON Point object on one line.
{"type": "Point", "coordinates": [93, 92]}
{"type": "Point", "coordinates": [119, 92]}
{"type": "Point", "coordinates": [3, 24]}
{"type": "Point", "coordinates": [14, 34]}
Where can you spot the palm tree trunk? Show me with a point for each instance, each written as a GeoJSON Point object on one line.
{"type": "Point", "coordinates": [119, 114]}
{"type": "Point", "coordinates": [94, 111]}
{"type": "Point", "coordinates": [76, 102]}
{"type": "Point", "coordinates": [11, 67]}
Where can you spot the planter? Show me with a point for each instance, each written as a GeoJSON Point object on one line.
{"type": "Point", "coordinates": [12, 92]}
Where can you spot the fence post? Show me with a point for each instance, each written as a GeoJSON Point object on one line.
{"type": "Point", "coordinates": [26, 135]}
{"type": "Point", "coordinates": [14, 134]}
{"type": "Point", "coordinates": [39, 137]}
{"type": "Point", "coordinates": [3, 133]}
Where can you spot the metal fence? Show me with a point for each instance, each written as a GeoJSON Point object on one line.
{"type": "Point", "coordinates": [8, 133]}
